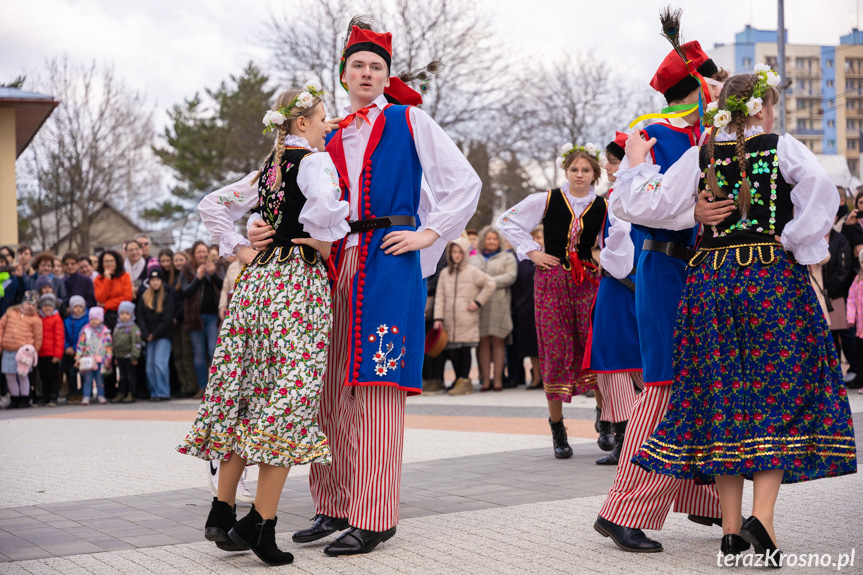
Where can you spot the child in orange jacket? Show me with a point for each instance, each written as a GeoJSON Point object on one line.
{"type": "Point", "coordinates": [19, 326]}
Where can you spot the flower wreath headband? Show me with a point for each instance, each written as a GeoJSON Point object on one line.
{"type": "Point", "coordinates": [275, 118]}
{"type": "Point", "coordinates": [721, 117]}
{"type": "Point", "coordinates": [567, 149]}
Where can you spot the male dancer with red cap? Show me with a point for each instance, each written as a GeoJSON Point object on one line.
{"type": "Point", "coordinates": [640, 500]}
{"type": "Point", "coordinates": [382, 153]}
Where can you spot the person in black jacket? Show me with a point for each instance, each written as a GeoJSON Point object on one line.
{"type": "Point", "coordinates": [156, 320]}
{"type": "Point", "coordinates": [852, 229]}
{"type": "Point", "coordinates": [838, 274]}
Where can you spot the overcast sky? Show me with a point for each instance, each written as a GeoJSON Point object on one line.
{"type": "Point", "coordinates": [169, 49]}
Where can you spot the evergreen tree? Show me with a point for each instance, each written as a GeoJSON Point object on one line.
{"type": "Point", "coordinates": [210, 144]}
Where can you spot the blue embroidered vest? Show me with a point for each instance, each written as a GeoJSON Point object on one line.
{"type": "Point", "coordinates": [388, 293]}
{"type": "Point", "coordinates": [660, 278]}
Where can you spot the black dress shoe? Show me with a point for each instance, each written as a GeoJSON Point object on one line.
{"type": "Point", "coordinates": [562, 450]}
{"type": "Point", "coordinates": [355, 541]}
{"type": "Point", "coordinates": [706, 521]}
{"type": "Point", "coordinates": [627, 538]}
{"type": "Point", "coordinates": [733, 544]}
{"type": "Point", "coordinates": [322, 526]}
{"type": "Point", "coordinates": [754, 532]}
{"type": "Point", "coordinates": [221, 519]}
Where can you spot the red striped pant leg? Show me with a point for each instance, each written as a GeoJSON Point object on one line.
{"type": "Point", "coordinates": [638, 379]}
{"type": "Point", "coordinates": [379, 417]}
{"type": "Point", "coordinates": [639, 499]}
{"type": "Point", "coordinates": [695, 499]}
{"type": "Point", "coordinates": [330, 484]}
{"type": "Point", "coordinates": [618, 396]}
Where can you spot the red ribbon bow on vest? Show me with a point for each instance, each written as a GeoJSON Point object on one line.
{"type": "Point", "coordinates": [578, 270]}
{"type": "Point", "coordinates": [361, 113]}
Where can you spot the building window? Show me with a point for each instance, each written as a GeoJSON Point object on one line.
{"type": "Point", "coordinates": [800, 63]}
{"type": "Point", "coordinates": [747, 63]}
{"type": "Point", "coordinates": [829, 83]}
{"type": "Point", "coordinates": [831, 123]}
{"type": "Point", "coordinates": [852, 144]}
{"type": "Point", "coordinates": [853, 166]}
{"type": "Point", "coordinates": [829, 63]}
{"type": "Point", "coordinates": [831, 143]}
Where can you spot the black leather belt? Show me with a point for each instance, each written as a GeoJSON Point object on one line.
{"type": "Point", "coordinates": [625, 281]}
{"type": "Point", "coordinates": [359, 226]}
{"type": "Point", "coordinates": [670, 249]}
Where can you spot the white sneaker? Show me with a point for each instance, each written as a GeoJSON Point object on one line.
{"type": "Point", "coordinates": [102, 400]}
{"type": "Point", "coordinates": [243, 492]}
{"type": "Point", "coordinates": [5, 400]}
{"type": "Point", "coordinates": [213, 476]}
{"type": "Point", "coordinates": [85, 401]}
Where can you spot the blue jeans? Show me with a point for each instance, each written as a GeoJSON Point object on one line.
{"type": "Point", "coordinates": [204, 346]}
{"type": "Point", "coordinates": [158, 372]}
{"type": "Point", "coordinates": [87, 378]}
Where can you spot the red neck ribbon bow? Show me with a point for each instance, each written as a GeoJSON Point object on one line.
{"type": "Point", "coordinates": [361, 113]}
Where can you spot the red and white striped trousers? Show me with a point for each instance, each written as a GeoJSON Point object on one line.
{"type": "Point", "coordinates": [618, 394]}
{"type": "Point", "coordinates": [365, 427]}
{"type": "Point", "coordinates": [639, 499]}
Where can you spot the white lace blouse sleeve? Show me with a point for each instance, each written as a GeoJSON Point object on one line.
{"type": "Point", "coordinates": [517, 222]}
{"type": "Point", "coordinates": [644, 196]}
{"type": "Point", "coordinates": [815, 201]}
{"type": "Point", "coordinates": [324, 215]}
{"type": "Point", "coordinates": [618, 251]}
{"type": "Point", "coordinates": [220, 209]}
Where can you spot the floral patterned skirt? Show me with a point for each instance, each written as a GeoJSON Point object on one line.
{"type": "Point", "coordinates": [563, 325]}
{"type": "Point", "coordinates": [261, 400]}
{"type": "Point", "coordinates": [757, 383]}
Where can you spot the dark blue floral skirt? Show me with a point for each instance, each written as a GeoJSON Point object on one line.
{"type": "Point", "coordinates": [757, 383]}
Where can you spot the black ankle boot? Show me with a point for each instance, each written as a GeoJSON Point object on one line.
{"type": "Point", "coordinates": [605, 441]}
{"type": "Point", "coordinates": [221, 519]}
{"type": "Point", "coordinates": [562, 450]}
{"type": "Point", "coordinates": [259, 535]}
{"type": "Point", "coordinates": [614, 457]}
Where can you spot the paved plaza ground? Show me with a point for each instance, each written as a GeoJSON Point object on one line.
{"type": "Point", "coordinates": [101, 490]}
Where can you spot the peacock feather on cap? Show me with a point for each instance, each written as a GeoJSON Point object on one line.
{"type": "Point", "coordinates": [670, 20]}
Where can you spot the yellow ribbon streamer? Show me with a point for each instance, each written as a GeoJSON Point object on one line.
{"type": "Point", "coordinates": [659, 116]}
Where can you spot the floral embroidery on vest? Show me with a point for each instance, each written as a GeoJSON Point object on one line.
{"type": "Point", "coordinates": [384, 363]}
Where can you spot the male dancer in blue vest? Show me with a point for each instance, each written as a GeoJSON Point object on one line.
{"type": "Point", "coordinates": [382, 152]}
{"type": "Point", "coordinates": [640, 500]}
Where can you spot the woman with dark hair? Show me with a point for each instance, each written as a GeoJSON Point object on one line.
{"type": "Point", "coordinates": [44, 266]}
{"type": "Point", "coordinates": [201, 285]}
{"type": "Point", "coordinates": [166, 262]}
{"type": "Point", "coordinates": [112, 287]}
{"type": "Point", "coordinates": [852, 229]}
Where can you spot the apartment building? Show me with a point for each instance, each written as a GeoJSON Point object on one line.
{"type": "Point", "coordinates": [825, 99]}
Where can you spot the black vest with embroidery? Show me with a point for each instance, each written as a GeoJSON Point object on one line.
{"type": "Point", "coordinates": [558, 221]}
{"type": "Point", "coordinates": [281, 208]}
{"type": "Point", "coordinates": [770, 207]}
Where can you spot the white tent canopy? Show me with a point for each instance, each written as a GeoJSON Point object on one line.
{"type": "Point", "coordinates": [836, 167]}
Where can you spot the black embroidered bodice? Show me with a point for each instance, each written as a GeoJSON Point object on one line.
{"type": "Point", "coordinates": [281, 208]}
{"type": "Point", "coordinates": [770, 207]}
{"type": "Point", "coordinates": [557, 222]}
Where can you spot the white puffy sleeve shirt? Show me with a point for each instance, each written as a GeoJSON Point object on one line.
{"type": "Point", "coordinates": [517, 222]}
{"type": "Point", "coordinates": [323, 216]}
{"type": "Point", "coordinates": [618, 252]}
{"type": "Point", "coordinates": [450, 187]}
{"type": "Point", "coordinates": [654, 196]}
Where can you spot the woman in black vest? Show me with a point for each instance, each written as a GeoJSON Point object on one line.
{"type": "Point", "coordinates": [261, 401]}
{"type": "Point", "coordinates": [566, 281]}
{"type": "Point", "coordinates": [758, 391]}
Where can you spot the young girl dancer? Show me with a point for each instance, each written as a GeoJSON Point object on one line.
{"type": "Point", "coordinates": [757, 391]}
{"type": "Point", "coordinates": [261, 402]}
{"type": "Point", "coordinates": [565, 284]}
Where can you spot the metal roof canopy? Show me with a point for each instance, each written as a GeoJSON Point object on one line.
{"type": "Point", "coordinates": [31, 111]}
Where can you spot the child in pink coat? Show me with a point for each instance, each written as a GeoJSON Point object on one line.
{"type": "Point", "coordinates": [854, 315]}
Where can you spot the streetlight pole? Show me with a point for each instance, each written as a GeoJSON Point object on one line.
{"type": "Point", "coordinates": [780, 40]}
